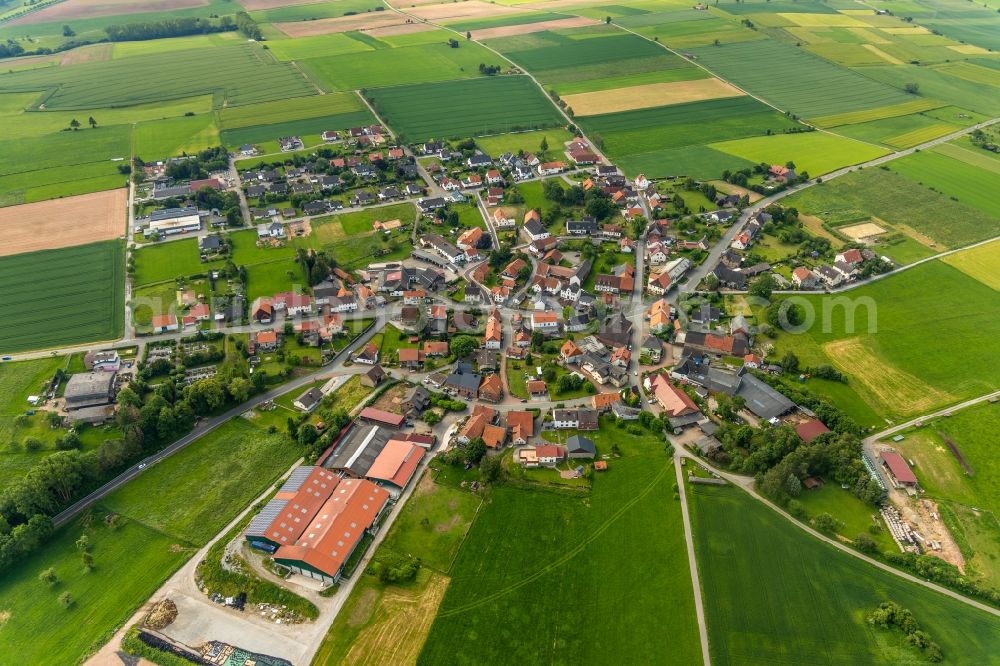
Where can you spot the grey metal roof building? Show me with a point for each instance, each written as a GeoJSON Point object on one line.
{"type": "Point", "coordinates": [762, 400]}
{"type": "Point", "coordinates": [89, 389]}
{"type": "Point", "coordinates": [357, 450]}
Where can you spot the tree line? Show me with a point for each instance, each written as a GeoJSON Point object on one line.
{"type": "Point", "coordinates": [175, 27]}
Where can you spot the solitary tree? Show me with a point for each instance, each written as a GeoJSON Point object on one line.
{"type": "Point", "coordinates": [66, 600]}
{"type": "Point", "coordinates": [607, 19]}
{"type": "Point", "coordinates": [88, 561]}
{"type": "Point", "coordinates": [468, 35]}
{"type": "Point", "coordinates": [543, 147]}
{"type": "Point", "coordinates": [74, 124]}
{"type": "Point", "coordinates": [912, 88]}
{"type": "Point", "coordinates": [93, 123]}
{"type": "Point", "coordinates": [49, 576]}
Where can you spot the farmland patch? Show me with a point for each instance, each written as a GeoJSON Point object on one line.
{"type": "Point", "coordinates": [470, 9]}
{"type": "Point", "coordinates": [814, 152]}
{"type": "Point", "coordinates": [83, 9]}
{"type": "Point", "coordinates": [83, 288]}
{"type": "Point", "coordinates": [340, 24]}
{"type": "Point", "coordinates": [59, 223]}
{"type": "Point", "coordinates": [878, 113]}
{"type": "Point", "coordinates": [528, 28]}
{"type": "Point", "coordinates": [480, 106]}
{"type": "Point", "coordinates": [956, 179]}
{"type": "Point", "coordinates": [160, 139]}
{"type": "Point", "coordinates": [980, 263]}
{"type": "Point", "coordinates": [648, 95]}
{"type": "Point", "coordinates": [794, 80]}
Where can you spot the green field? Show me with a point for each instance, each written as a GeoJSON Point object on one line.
{"type": "Point", "coordinates": [241, 74]}
{"type": "Point", "coordinates": [165, 261]}
{"type": "Point", "coordinates": [163, 527]}
{"type": "Point", "coordinates": [669, 140]}
{"type": "Point", "coordinates": [900, 131]}
{"type": "Point", "coordinates": [18, 381]}
{"type": "Point", "coordinates": [565, 52]}
{"type": "Point", "coordinates": [287, 110]}
{"type": "Point", "coordinates": [954, 178]}
{"type": "Point", "coordinates": [897, 110]}
{"type": "Point", "coordinates": [518, 599]}
{"type": "Point", "coordinates": [498, 144]}
{"type": "Point", "coordinates": [459, 109]}
{"type": "Point", "coordinates": [36, 168]}
{"type": "Point", "coordinates": [624, 81]}
{"type": "Point", "coordinates": [940, 85]}
{"type": "Point", "coordinates": [794, 80]}
{"type": "Point", "coordinates": [317, 47]}
{"type": "Point", "coordinates": [160, 139]}
{"type": "Point", "coordinates": [408, 65]}
{"type": "Point", "coordinates": [909, 364]}
{"type": "Point", "coordinates": [942, 477]}
{"type": "Point", "coordinates": [899, 201]}
{"type": "Point", "coordinates": [80, 287]}
{"type": "Point", "coordinates": [774, 595]}
{"type": "Point", "coordinates": [814, 152]}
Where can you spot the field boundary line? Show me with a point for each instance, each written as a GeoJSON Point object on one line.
{"type": "Point", "coordinates": [565, 557]}
{"type": "Point", "coordinates": [699, 608]}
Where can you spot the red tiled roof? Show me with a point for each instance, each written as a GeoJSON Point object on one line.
{"type": "Point", "coordinates": [810, 430]}
{"type": "Point", "coordinates": [898, 467]}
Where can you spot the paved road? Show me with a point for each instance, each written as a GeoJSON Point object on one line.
{"type": "Point", "coordinates": [699, 608]}
{"type": "Point", "coordinates": [203, 428]}
{"type": "Point", "coordinates": [747, 484]}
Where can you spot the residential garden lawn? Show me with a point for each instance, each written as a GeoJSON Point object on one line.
{"type": "Point", "coordinates": [530, 141]}
{"type": "Point", "coordinates": [900, 201]}
{"type": "Point", "coordinates": [856, 515]}
{"type": "Point", "coordinates": [169, 259]}
{"type": "Point", "coordinates": [408, 65]}
{"type": "Point", "coordinates": [267, 279]}
{"type": "Point", "coordinates": [605, 263]}
{"type": "Point", "coordinates": [981, 263]}
{"type": "Point", "coordinates": [246, 252]}
{"type": "Point", "coordinates": [393, 340]}
{"type": "Point", "coordinates": [361, 221]}
{"type": "Point", "coordinates": [774, 594]}
{"type": "Point", "coordinates": [841, 395]}
{"type": "Point", "coordinates": [794, 80]}
{"type": "Point", "coordinates": [433, 524]}
{"type": "Point", "coordinates": [162, 528]}
{"type": "Point", "coordinates": [814, 152]}
{"type": "Point", "coordinates": [894, 354]}
{"type": "Point", "coordinates": [955, 178]}
{"type": "Point", "coordinates": [242, 73]}
{"type": "Point", "coordinates": [513, 599]}
{"type": "Point", "coordinates": [159, 139]}
{"type": "Point", "coordinates": [82, 288]}
{"type": "Point", "coordinates": [943, 478]}
{"type": "Point", "coordinates": [479, 106]}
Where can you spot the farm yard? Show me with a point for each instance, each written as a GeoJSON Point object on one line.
{"type": "Point", "coordinates": [160, 528]}
{"type": "Point", "coordinates": [480, 106]}
{"type": "Point", "coordinates": [82, 291]}
{"type": "Point", "coordinates": [957, 467]}
{"type": "Point", "coordinates": [763, 577]}
{"type": "Point", "coordinates": [59, 223]}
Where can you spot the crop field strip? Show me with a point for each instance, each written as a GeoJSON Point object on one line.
{"type": "Point", "coordinates": [64, 296]}
{"type": "Point", "coordinates": [795, 81]}
{"type": "Point", "coordinates": [243, 73]}
{"type": "Point", "coordinates": [463, 108]}
{"type": "Point", "coordinates": [957, 179]}
{"type": "Point", "coordinates": [814, 152]}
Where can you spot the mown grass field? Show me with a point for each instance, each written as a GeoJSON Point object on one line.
{"type": "Point", "coordinates": [939, 85]}
{"type": "Point", "coordinates": [977, 530]}
{"type": "Point", "coordinates": [814, 152]}
{"type": "Point", "coordinates": [162, 528]}
{"type": "Point", "coordinates": [900, 131]}
{"type": "Point", "coordinates": [165, 261]}
{"type": "Point", "coordinates": [901, 202]}
{"type": "Point", "coordinates": [773, 594]}
{"type": "Point", "coordinates": [498, 144]}
{"type": "Point", "coordinates": [242, 74]}
{"type": "Point", "coordinates": [464, 108]}
{"type": "Point", "coordinates": [18, 381]}
{"type": "Point", "coordinates": [67, 296]}
{"type": "Point", "coordinates": [516, 599]}
{"type": "Point", "coordinates": [287, 110]}
{"type": "Point", "coordinates": [908, 351]}
{"type": "Point", "coordinates": [796, 81]}
{"type": "Point", "coordinates": [256, 134]}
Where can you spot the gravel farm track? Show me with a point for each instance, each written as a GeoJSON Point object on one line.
{"type": "Point", "coordinates": [57, 223]}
